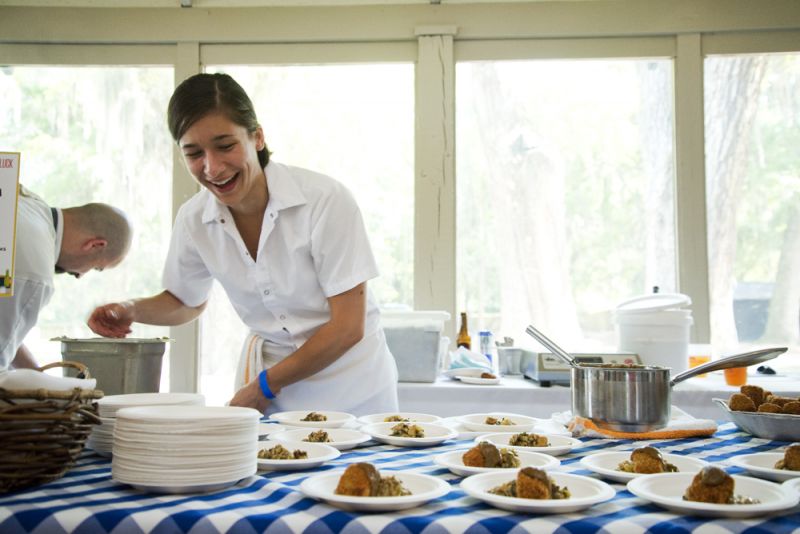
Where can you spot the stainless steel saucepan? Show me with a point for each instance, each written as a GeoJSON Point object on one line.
{"type": "Point", "coordinates": [634, 398]}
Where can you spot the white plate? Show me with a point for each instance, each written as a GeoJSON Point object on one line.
{"type": "Point", "coordinates": [477, 422]}
{"type": "Point", "coordinates": [667, 489]}
{"type": "Point", "coordinates": [558, 444]}
{"type": "Point", "coordinates": [318, 454]}
{"type": "Point", "coordinates": [423, 488]}
{"type": "Point", "coordinates": [342, 438]}
{"type": "Point", "coordinates": [265, 429]}
{"type": "Point", "coordinates": [187, 416]}
{"type": "Point", "coordinates": [434, 434]}
{"type": "Point", "coordinates": [465, 371]}
{"type": "Point", "coordinates": [111, 403]}
{"type": "Point", "coordinates": [335, 419]}
{"type": "Point", "coordinates": [761, 464]}
{"type": "Point", "coordinates": [452, 461]}
{"type": "Point", "coordinates": [605, 464]}
{"type": "Point", "coordinates": [793, 485]}
{"type": "Point", "coordinates": [414, 417]}
{"type": "Point", "coordinates": [479, 381]}
{"type": "Point", "coordinates": [585, 492]}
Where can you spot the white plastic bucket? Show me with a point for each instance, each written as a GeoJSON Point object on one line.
{"type": "Point", "coordinates": [656, 327]}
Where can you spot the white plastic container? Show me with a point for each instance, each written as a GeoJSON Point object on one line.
{"type": "Point", "coordinates": [656, 327]}
{"type": "Point", "coordinates": [414, 338]}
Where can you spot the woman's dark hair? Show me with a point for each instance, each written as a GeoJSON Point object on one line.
{"type": "Point", "coordinates": [201, 94]}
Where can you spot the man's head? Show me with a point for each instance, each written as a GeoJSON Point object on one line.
{"type": "Point", "coordinates": [96, 236]}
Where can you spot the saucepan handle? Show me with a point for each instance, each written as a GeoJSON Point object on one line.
{"type": "Point", "coordinates": [738, 360]}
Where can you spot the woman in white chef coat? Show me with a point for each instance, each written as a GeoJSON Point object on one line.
{"type": "Point", "coordinates": [290, 249]}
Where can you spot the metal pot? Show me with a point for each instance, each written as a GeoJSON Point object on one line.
{"type": "Point", "coordinates": [634, 399]}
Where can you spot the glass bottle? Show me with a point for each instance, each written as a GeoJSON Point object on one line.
{"type": "Point", "coordinates": [463, 339]}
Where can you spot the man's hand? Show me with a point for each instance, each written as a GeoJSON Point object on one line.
{"type": "Point", "coordinates": [250, 396]}
{"type": "Point", "coordinates": [112, 320]}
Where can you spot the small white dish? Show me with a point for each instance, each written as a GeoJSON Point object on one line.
{"type": "Point", "coordinates": [478, 381]}
{"type": "Point", "coordinates": [452, 461]}
{"type": "Point", "coordinates": [793, 485]}
{"type": "Point", "coordinates": [265, 429]}
{"type": "Point", "coordinates": [423, 488]}
{"type": "Point", "coordinates": [762, 465]}
{"type": "Point", "coordinates": [477, 422]}
{"type": "Point", "coordinates": [558, 444]}
{"type": "Point", "coordinates": [341, 438]}
{"type": "Point", "coordinates": [411, 416]}
{"type": "Point", "coordinates": [295, 419]}
{"type": "Point", "coordinates": [605, 464]}
{"type": "Point", "coordinates": [434, 434]}
{"type": "Point", "coordinates": [318, 454]}
{"type": "Point", "coordinates": [667, 489]}
{"type": "Point", "coordinates": [474, 372]}
{"type": "Point", "coordinates": [585, 492]}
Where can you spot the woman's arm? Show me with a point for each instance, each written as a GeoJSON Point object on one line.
{"type": "Point", "coordinates": [344, 329]}
{"type": "Point", "coordinates": [164, 309]}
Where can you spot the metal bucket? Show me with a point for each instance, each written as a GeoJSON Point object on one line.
{"type": "Point", "coordinates": [126, 365]}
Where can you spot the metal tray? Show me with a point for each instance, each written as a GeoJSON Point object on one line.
{"type": "Point", "coordinates": [776, 426]}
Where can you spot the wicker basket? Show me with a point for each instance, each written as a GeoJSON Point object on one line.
{"type": "Point", "coordinates": [42, 431]}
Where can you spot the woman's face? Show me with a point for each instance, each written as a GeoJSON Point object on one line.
{"type": "Point", "coordinates": [222, 156]}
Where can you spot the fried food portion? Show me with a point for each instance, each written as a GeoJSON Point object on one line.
{"type": "Point", "coordinates": [712, 485]}
{"type": "Point", "coordinates": [792, 407]}
{"type": "Point", "coordinates": [741, 403]}
{"type": "Point", "coordinates": [495, 421]}
{"type": "Point", "coordinates": [360, 479]}
{"type": "Point", "coordinates": [780, 401]}
{"type": "Point", "coordinates": [395, 419]}
{"type": "Point", "coordinates": [406, 430]}
{"type": "Point", "coordinates": [486, 454]}
{"type": "Point", "coordinates": [314, 416]}
{"type": "Point", "coordinates": [646, 460]}
{"type": "Point", "coordinates": [363, 480]}
{"type": "Point", "coordinates": [756, 393]}
{"type": "Point", "coordinates": [279, 452]}
{"type": "Point", "coordinates": [487, 375]}
{"type": "Point", "coordinates": [525, 439]}
{"type": "Point", "coordinates": [531, 483]}
{"type": "Point", "coordinates": [791, 458]}
{"type": "Point", "coordinates": [768, 407]}
{"type": "Point", "coordinates": [318, 436]}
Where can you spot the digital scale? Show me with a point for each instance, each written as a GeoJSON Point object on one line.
{"type": "Point", "coordinates": [548, 369]}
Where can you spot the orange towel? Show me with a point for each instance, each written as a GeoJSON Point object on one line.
{"type": "Point", "coordinates": [681, 425]}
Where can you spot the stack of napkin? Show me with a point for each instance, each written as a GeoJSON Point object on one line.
{"type": "Point", "coordinates": [32, 379]}
{"type": "Point", "coordinates": [462, 358]}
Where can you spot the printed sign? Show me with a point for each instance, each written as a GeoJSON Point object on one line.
{"type": "Point", "coordinates": [9, 191]}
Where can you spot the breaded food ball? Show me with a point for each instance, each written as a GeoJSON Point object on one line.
{"type": "Point", "coordinates": [791, 458]}
{"type": "Point", "coordinates": [768, 407]}
{"type": "Point", "coordinates": [484, 454]}
{"type": "Point", "coordinates": [533, 483]}
{"type": "Point", "coordinates": [360, 479]}
{"type": "Point", "coordinates": [712, 485]}
{"type": "Point", "coordinates": [754, 392]}
{"type": "Point", "coordinates": [792, 408]}
{"type": "Point", "coordinates": [647, 460]}
{"type": "Point", "coordinates": [741, 403]}
{"type": "Point", "coordinates": [780, 401]}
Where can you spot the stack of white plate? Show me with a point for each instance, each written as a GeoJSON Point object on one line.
{"type": "Point", "coordinates": [184, 449]}
{"type": "Point", "coordinates": [101, 440]}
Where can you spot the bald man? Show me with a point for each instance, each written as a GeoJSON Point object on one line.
{"type": "Point", "coordinates": [51, 240]}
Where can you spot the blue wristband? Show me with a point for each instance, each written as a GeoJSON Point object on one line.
{"type": "Point", "coordinates": [262, 381]}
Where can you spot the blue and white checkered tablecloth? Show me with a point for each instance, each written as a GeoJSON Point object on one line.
{"type": "Point", "coordinates": [87, 500]}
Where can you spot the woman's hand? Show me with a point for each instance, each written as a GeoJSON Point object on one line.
{"type": "Point", "coordinates": [112, 320]}
{"type": "Point", "coordinates": [250, 396]}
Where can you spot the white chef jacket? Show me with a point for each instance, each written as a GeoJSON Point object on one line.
{"type": "Point", "coordinates": [38, 244]}
{"type": "Point", "coordinates": [313, 246]}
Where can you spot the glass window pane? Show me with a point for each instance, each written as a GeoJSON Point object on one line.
{"type": "Point", "coordinates": [356, 124]}
{"type": "Point", "coordinates": [94, 134]}
{"type": "Point", "coordinates": [752, 107]}
{"type": "Point", "coordinates": [565, 193]}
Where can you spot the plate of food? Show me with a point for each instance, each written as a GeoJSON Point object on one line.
{"type": "Point", "coordinates": [485, 457]}
{"type": "Point", "coordinates": [281, 456]}
{"type": "Point", "coordinates": [398, 417]}
{"type": "Point", "coordinates": [622, 466]}
{"type": "Point", "coordinates": [362, 488]}
{"type": "Point", "coordinates": [313, 419]}
{"type": "Point", "coordinates": [714, 493]}
{"type": "Point", "coordinates": [531, 490]}
{"type": "Point", "coordinates": [338, 438]}
{"type": "Point", "coordinates": [777, 466]}
{"type": "Point", "coordinates": [552, 444]}
{"type": "Point", "coordinates": [486, 379]}
{"type": "Point", "coordinates": [410, 434]}
{"type": "Point", "coordinates": [474, 372]}
{"type": "Point", "coordinates": [498, 422]}
{"type": "Point", "coordinates": [265, 429]}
